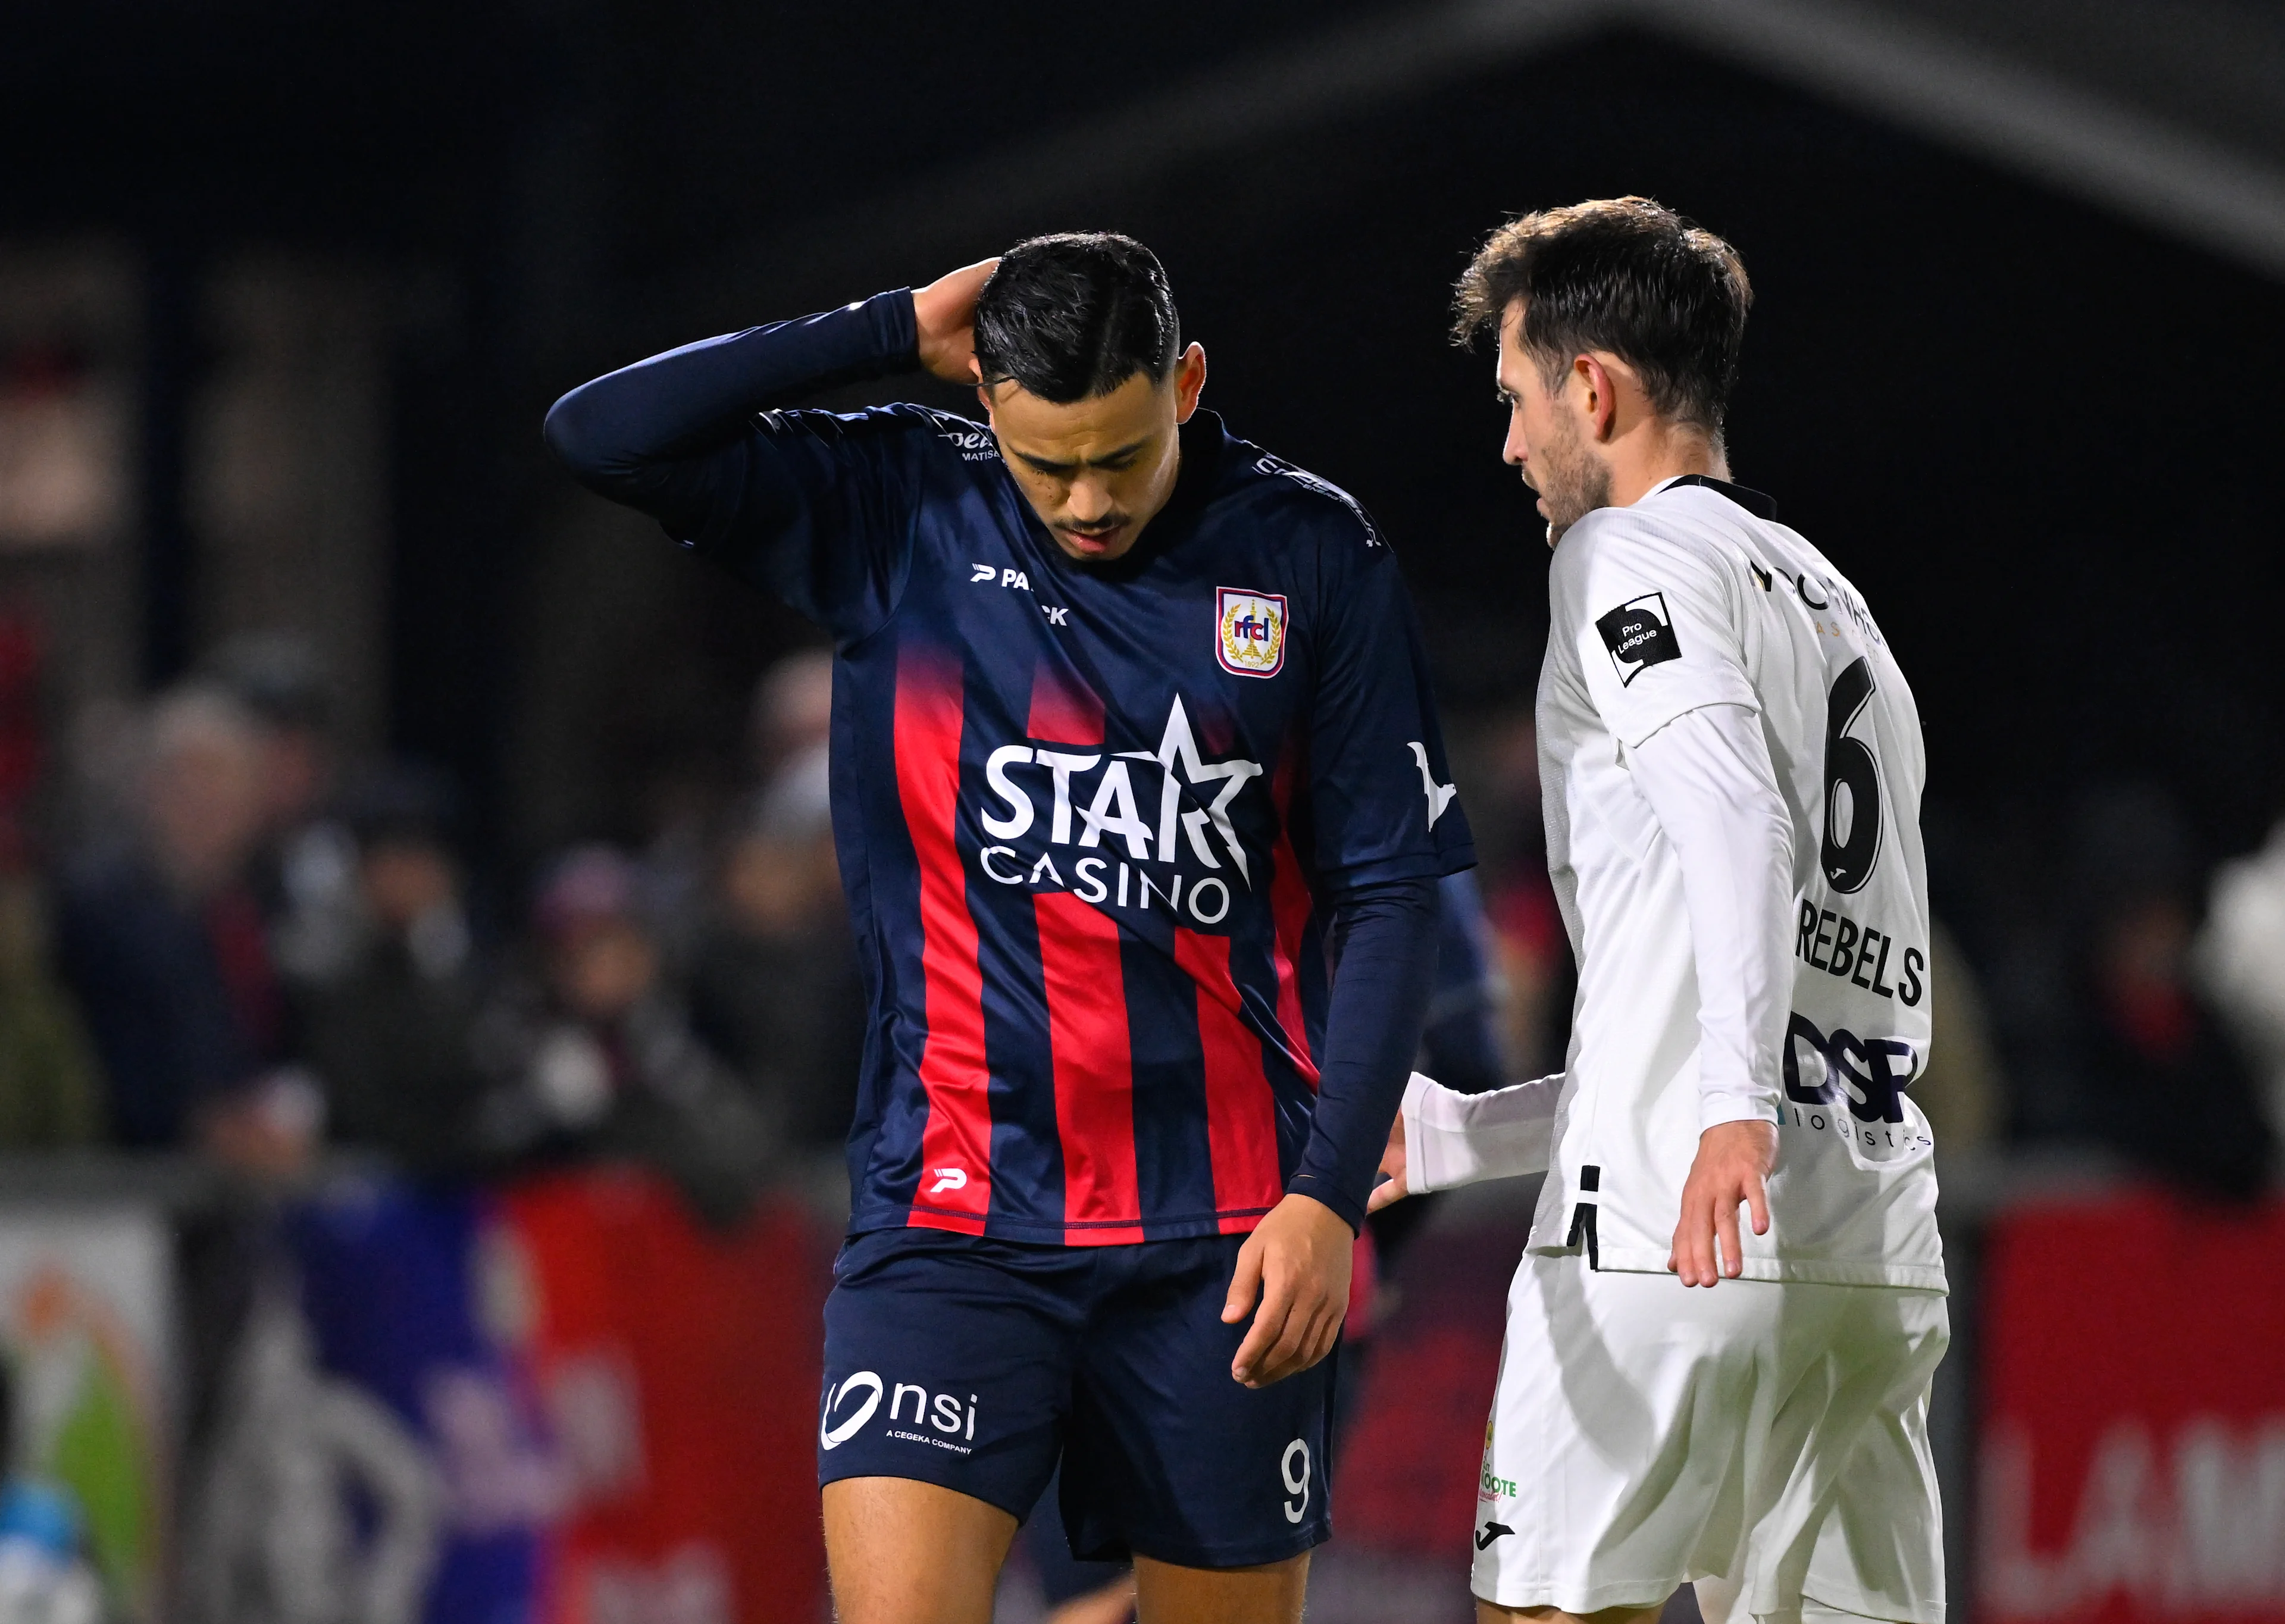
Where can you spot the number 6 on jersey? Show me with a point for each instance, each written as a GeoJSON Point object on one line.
{"type": "Point", "coordinates": [1852, 820]}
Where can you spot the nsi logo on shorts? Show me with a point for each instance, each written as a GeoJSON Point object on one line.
{"type": "Point", "coordinates": [850, 1404]}
{"type": "Point", "coordinates": [1249, 632]}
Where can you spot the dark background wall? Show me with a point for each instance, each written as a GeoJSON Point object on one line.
{"type": "Point", "coordinates": [2036, 435]}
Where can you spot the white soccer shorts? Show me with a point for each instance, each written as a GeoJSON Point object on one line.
{"type": "Point", "coordinates": [1768, 1438]}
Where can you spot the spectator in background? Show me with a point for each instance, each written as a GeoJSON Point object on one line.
{"type": "Point", "coordinates": [774, 989]}
{"type": "Point", "coordinates": [1531, 967]}
{"type": "Point", "coordinates": [1963, 1088]}
{"type": "Point", "coordinates": [596, 1060]}
{"type": "Point", "coordinates": [50, 1093]}
{"type": "Point", "coordinates": [793, 714]}
{"type": "Point", "coordinates": [679, 866]}
{"type": "Point", "coordinates": [161, 942]}
{"type": "Point", "coordinates": [2240, 964]}
{"type": "Point", "coordinates": [2166, 1089]}
{"type": "Point", "coordinates": [390, 1034]}
{"type": "Point", "coordinates": [303, 868]}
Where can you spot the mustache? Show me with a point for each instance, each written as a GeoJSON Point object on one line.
{"type": "Point", "coordinates": [1096, 527]}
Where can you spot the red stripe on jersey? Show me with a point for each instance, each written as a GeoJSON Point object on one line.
{"type": "Point", "coordinates": [1241, 1113]}
{"type": "Point", "coordinates": [957, 1141]}
{"type": "Point", "coordinates": [1094, 1070]}
{"type": "Point", "coordinates": [1289, 908]}
{"type": "Point", "coordinates": [1064, 710]}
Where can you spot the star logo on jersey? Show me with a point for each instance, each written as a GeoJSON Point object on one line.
{"type": "Point", "coordinates": [1249, 632]}
{"type": "Point", "coordinates": [1639, 634]}
{"type": "Point", "coordinates": [1178, 753]}
{"type": "Point", "coordinates": [1093, 801]}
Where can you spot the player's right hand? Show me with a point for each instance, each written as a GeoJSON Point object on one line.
{"type": "Point", "coordinates": [1295, 1263]}
{"type": "Point", "coordinates": [944, 317]}
{"type": "Point", "coordinates": [1731, 1170]}
{"type": "Point", "coordinates": [1392, 1163]}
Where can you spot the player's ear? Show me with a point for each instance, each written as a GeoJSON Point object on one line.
{"type": "Point", "coordinates": [1600, 397]}
{"type": "Point", "coordinates": [1190, 381]}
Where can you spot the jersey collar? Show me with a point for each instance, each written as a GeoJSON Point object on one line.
{"type": "Point", "coordinates": [1753, 501]}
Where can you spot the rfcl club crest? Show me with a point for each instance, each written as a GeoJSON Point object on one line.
{"type": "Point", "coordinates": [1249, 632]}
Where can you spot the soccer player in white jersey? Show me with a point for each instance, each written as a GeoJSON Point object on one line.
{"type": "Point", "coordinates": [1731, 765]}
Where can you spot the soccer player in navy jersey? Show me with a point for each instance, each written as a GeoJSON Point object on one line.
{"type": "Point", "coordinates": [1141, 805]}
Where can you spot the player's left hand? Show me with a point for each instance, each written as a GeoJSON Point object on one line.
{"type": "Point", "coordinates": [1296, 1261]}
{"type": "Point", "coordinates": [1731, 1169]}
{"type": "Point", "coordinates": [1390, 1190]}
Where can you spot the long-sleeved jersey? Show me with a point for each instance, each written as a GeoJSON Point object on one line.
{"type": "Point", "coordinates": [1090, 818]}
{"type": "Point", "coordinates": [1732, 765]}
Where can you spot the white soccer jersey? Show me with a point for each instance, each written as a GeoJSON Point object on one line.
{"type": "Point", "coordinates": [1688, 599]}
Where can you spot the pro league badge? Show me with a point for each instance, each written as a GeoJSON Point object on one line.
{"type": "Point", "coordinates": [1639, 634]}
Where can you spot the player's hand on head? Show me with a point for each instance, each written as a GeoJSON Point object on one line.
{"type": "Point", "coordinates": [1393, 1188]}
{"type": "Point", "coordinates": [944, 319]}
{"type": "Point", "coordinates": [1731, 1170]}
{"type": "Point", "coordinates": [1297, 1263]}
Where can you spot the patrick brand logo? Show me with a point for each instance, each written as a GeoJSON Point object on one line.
{"type": "Point", "coordinates": [1249, 632]}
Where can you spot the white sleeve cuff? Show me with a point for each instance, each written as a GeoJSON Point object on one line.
{"type": "Point", "coordinates": [1718, 1106]}
{"type": "Point", "coordinates": [1452, 1139]}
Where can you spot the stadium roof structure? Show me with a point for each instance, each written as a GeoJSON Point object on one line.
{"type": "Point", "coordinates": [2165, 112]}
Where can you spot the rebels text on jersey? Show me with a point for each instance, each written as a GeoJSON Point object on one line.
{"type": "Point", "coordinates": [1087, 815]}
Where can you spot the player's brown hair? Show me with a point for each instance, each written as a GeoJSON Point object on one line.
{"type": "Point", "coordinates": [1627, 276]}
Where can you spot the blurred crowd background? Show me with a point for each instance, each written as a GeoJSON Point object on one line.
{"type": "Point", "coordinates": [400, 848]}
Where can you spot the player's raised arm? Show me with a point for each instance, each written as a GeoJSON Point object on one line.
{"type": "Point", "coordinates": [806, 506]}
{"type": "Point", "coordinates": [944, 322]}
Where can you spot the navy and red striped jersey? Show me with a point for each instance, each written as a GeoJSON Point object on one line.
{"type": "Point", "coordinates": [1089, 817]}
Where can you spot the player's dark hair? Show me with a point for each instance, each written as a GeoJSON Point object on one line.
{"type": "Point", "coordinates": [1627, 276]}
{"type": "Point", "coordinates": [1075, 315]}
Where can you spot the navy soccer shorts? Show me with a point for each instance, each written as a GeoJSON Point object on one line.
{"type": "Point", "coordinates": [975, 1363]}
